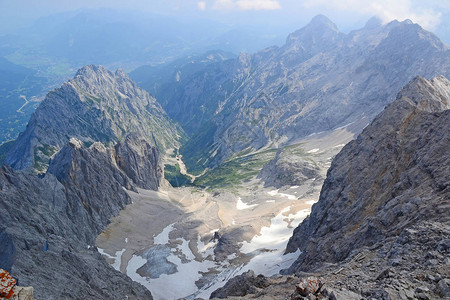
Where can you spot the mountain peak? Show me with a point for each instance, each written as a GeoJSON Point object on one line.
{"type": "Point", "coordinates": [121, 73]}
{"type": "Point", "coordinates": [97, 105]}
{"type": "Point", "coordinates": [91, 69]}
{"type": "Point", "coordinates": [321, 21]}
{"type": "Point", "coordinates": [427, 95]}
{"type": "Point", "coordinates": [320, 30]}
{"type": "Point", "coordinates": [373, 22]}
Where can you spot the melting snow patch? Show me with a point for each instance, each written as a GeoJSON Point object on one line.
{"type": "Point", "coordinates": [294, 187]}
{"type": "Point", "coordinates": [339, 146]}
{"type": "Point", "coordinates": [184, 248]}
{"type": "Point", "coordinates": [271, 244]}
{"type": "Point", "coordinates": [163, 237]}
{"type": "Point", "coordinates": [342, 127]}
{"type": "Point", "coordinates": [270, 201]}
{"type": "Point", "coordinates": [182, 283]}
{"type": "Point", "coordinates": [310, 202]}
{"type": "Point", "coordinates": [133, 265]}
{"type": "Point", "coordinates": [205, 250]}
{"type": "Point", "coordinates": [117, 257]}
{"type": "Point", "coordinates": [313, 150]}
{"type": "Point", "coordinates": [241, 205]}
{"type": "Point", "coordinates": [276, 193]}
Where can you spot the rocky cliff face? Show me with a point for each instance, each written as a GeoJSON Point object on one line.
{"type": "Point", "coordinates": [139, 161]}
{"type": "Point", "coordinates": [167, 82]}
{"type": "Point", "coordinates": [385, 187]}
{"type": "Point", "coordinates": [319, 80]}
{"type": "Point", "coordinates": [49, 225]}
{"type": "Point", "coordinates": [95, 106]}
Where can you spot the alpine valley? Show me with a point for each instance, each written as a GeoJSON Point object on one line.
{"type": "Point", "coordinates": [319, 169]}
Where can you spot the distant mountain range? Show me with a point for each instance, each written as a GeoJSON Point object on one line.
{"type": "Point", "coordinates": [43, 55]}
{"type": "Point", "coordinates": [319, 80]}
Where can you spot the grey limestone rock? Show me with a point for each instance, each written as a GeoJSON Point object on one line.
{"type": "Point", "coordinates": [97, 105]}
{"type": "Point", "coordinates": [241, 285]}
{"type": "Point", "coordinates": [139, 161]}
{"type": "Point", "coordinates": [92, 183]}
{"type": "Point", "coordinates": [53, 221]}
{"type": "Point", "coordinates": [394, 176]}
{"type": "Point", "coordinates": [289, 170]}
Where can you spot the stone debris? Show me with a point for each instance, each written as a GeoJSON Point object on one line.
{"type": "Point", "coordinates": [23, 293]}
{"type": "Point", "coordinates": [309, 288]}
{"type": "Point", "coordinates": [309, 285]}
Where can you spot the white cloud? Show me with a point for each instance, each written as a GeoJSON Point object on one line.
{"type": "Point", "coordinates": [247, 5]}
{"type": "Point", "coordinates": [201, 5]}
{"type": "Point", "coordinates": [386, 10]}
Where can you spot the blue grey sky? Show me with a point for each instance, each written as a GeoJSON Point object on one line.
{"type": "Point", "coordinates": [433, 15]}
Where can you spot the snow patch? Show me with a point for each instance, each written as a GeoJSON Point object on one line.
{"type": "Point", "coordinates": [276, 193]}
{"type": "Point", "coordinates": [182, 283]}
{"type": "Point", "coordinates": [203, 249]}
{"type": "Point", "coordinates": [184, 248]}
{"type": "Point", "coordinates": [241, 205]}
{"type": "Point", "coordinates": [163, 237]}
{"type": "Point", "coordinates": [117, 257]}
{"type": "Point", "coordinates": [339, 146]}
{"type": "Point", "coordinates": [313, 150]}
{"type": "Point", "coordinates": [271, 243]}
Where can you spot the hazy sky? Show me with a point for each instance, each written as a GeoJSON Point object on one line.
{"type": "Point", "coordinates": [347, 14]}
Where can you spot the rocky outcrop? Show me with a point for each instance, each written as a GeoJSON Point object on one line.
{"type": "Point", "coordinates": [241, 285]}
{"type": "Point", "coordinates": [321, 79]}
{"type": "Point", "coordinates": [139, 161]}
{"type": "Point", "coordinates": [95, 106]}
{"type": "Point", "coordinates": [92, 183]}
{"type": "Point", "coordinates": [50, 225]}
{"type": "Point", "coordinates": [289, 170]}
{"type": "Point", "coordinates": [391, 182]}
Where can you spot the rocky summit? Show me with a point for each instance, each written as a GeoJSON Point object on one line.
{"type": "Point", "coordinates": [97, 105]}
{"type": "Point", "coordinates": [319, 80]}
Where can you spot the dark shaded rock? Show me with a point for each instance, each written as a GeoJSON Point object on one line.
{"type": "Point", "coordinates": [228, 242]}
{"type": "Point", "coordinates": [140, 161]}
{"type": "Point", "coordinates": [241, 285]}
{"type": "Point", "coordinates": [444, 287]}
{"type": "Point", "coordinates": [7, 251]}
{"type": "Point", "coordinates": [65, 217]}
{"type": "Point", "coordinates": [92, 182]}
